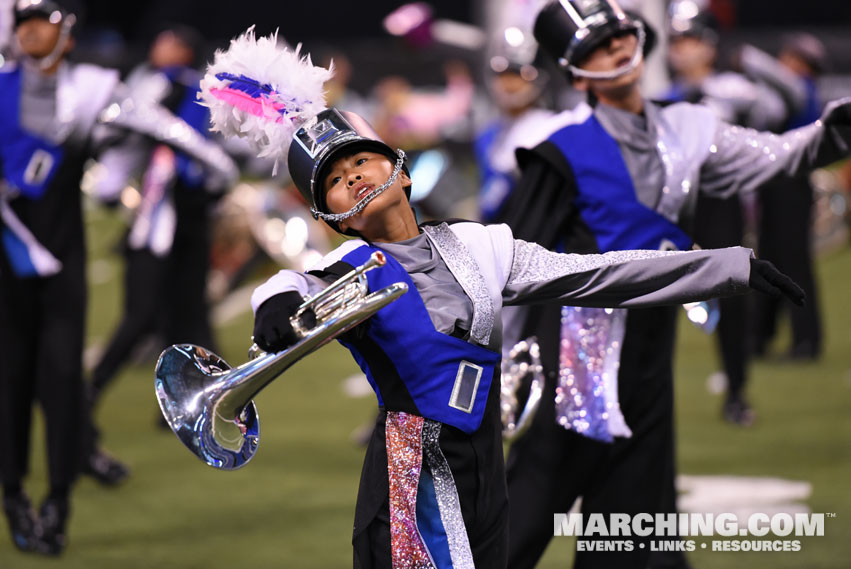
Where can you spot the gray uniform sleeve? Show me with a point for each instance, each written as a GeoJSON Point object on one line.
{"type": "Point", "coordinates": [743, 159]}
{"type": "Point", "coordinates": [155, 121]}
{"type": "Point", "coordinates": [624, 278]}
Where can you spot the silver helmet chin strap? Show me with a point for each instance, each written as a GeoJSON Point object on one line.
{"type": "Point", "coordinates": [358, 207]}
{"type": "Point", "coordinates": [620, 71]}
{"type": "Point", "coordinates": [51, 58]}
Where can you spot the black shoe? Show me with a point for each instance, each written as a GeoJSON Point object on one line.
{"type": "Point", "coordinates": [105, 469]}
{"type": "Point", "coordinates": [53, 516]}
{"type": "Point", "coordinates": [23, 524]}
{"type": "Point", "coordinates": [803, 352]}
{"type": "Point", "coordinates": [738, 412]}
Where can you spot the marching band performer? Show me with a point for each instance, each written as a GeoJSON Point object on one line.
{"type": "Point", "coordinates": [754, 100]}
{"type": "Point", "coordinates": [625, 178]}
{"type": "Point", "coordinates": [55, 115]}
{"type": "Point", "coordinates": [166, 250]}
{"type": "Point", "coordinates": [517, 85]}
{"type": "Point", "coordinates": [432, 490]}
{"type": "Point", "coordinates": [786, 214]}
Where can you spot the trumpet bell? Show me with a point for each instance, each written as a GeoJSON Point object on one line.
{"type": "Point", "coordinates": [208, 404]}
{"type": "Point", "coordinates": [187, 380]}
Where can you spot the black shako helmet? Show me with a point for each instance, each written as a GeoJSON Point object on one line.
{"type": "Point", "coordinates": [514, 49]}
{"type": "Point", "coordinates": [318, 144]}
{"type": "Point", "coordinates": [65, 13]}
{"type": "Point", "coordinates": [55, 11]}
{"type": "Point", "coordinates": [569, 30]}
{"type": "Point", "coordinates": [692, 18]}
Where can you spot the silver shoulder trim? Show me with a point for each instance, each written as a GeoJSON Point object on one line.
{"type": "Point", "coordinates": [463, 266]}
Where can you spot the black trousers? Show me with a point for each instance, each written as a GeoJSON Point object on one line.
{"type": "Point", "coordinates": [720, 223]}
{"type": "Point", "coordinates": [549, 467]}
{"type": "Point", "coordinates": [785, 239]}
{"type": "Point", "coordinates": [42, 324]}
{"type": "Point", "coordinates": [165, 295]}
{"type": "Point", "coordinates": [144, 277]}
{"type": "Point", "coordinates": [477, 466]}
{"type": "Point", "coordinates": [187, 317]}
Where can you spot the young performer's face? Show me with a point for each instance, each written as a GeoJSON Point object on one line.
{"type": "Point", "coordinates": [37, 36]}
{"type": "Point", "coordinates": [168, 50]}
{"type": "Point", "coordinates": [613, 53]}
{"type": "Point", "coordinates": [686, 53]}
{"type": "Point", "coordinates": [352, 177]}
{"type": "Point", "coordinates": [512, 92]}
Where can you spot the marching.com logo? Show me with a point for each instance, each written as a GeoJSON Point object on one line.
{"type": "Point", "coordinates": [671, 525]}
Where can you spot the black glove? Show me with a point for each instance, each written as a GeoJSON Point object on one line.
{"type": "Point", "coordinates": [272, 329]}
{"type": "Point", "coordinates": [838, 112]}
{"type": "Point", "coordinates": [766, 278]}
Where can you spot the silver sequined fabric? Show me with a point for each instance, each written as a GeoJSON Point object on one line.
{"type": "Point", "coordinates": [677, 186]}
{"type": "Point", "coordinates": [589, 358]}
{"type": "Point", "coordinates": [533, 263]}
{"type": "Point", "coordinates": [742, 159]}
{"type": "Point", "coordinates": [447, 498]}
{"type": "Point", "coordinates": [157, 122]}
{"type": "Point", "coordinates": [466, 271]}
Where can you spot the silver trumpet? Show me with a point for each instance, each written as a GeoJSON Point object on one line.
{"type": "Point", "coordinates": [209, 405]}
{"type": "Point", "coordinates": [524, 360]}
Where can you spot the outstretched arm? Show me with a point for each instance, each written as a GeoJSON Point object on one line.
{"type": "Point", "coordinates": [743, 159]}
{"type": "Point", "coordinates": [126, 115]}
{"type": "Point", "coordinates": [636, 278]}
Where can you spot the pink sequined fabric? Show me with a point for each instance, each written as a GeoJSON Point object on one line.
{"type": "Point", "coordinates": [404, 462]}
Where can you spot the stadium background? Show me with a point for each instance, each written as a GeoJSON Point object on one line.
{"type": "Point", "coordinates": [293, 505]}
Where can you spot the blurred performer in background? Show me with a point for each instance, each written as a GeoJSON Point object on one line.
{"type": "Point", "coordinates": [785, 222]}
{"type": "Point", "coordinates": [167, 248]}
{"type": "Point", "coordinates": [516, 84]}
{"type": "Point", "coordinates": [516, 78]}
{"type": "Point", "coordinates": [432, 490]}
{"type": "Point", "coordinates": [55, 115]}
{"type": "Point", "coordinates": [626, 178]}
{"type": "Point", "coordinates": [719, 221]}
{"type": "Point", "coordinates": [7, 27]}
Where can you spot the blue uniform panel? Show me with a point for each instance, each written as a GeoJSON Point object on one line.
{"type": "Point", "coordinates": [496, 186]}
{"type": "Point", "coordinates": [429, 523]}
{"type": "Point", "coordinates": [28, 162]}
{"type": "Point", "coordinates": [18, 254]}
{"type": "Point", "coordinates": [812, 109]}
{"type": "Point", "coordinates": [198, 117]}
{"type": "Point", "coordinates": [448, 379]}
{"type": "Point", "coordinates": [606, 197]}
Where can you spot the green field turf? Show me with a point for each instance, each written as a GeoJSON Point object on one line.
{"type": "Point", "coordinates": [292, 506]}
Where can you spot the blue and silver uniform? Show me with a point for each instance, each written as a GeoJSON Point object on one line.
{"type": "Point", "coordinates": [432, 358]}
{"type": "Point", "coordinates": [623, 180]}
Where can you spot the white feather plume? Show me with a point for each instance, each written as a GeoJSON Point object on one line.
{"type": "Point", "coordinates": [296, 96]}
